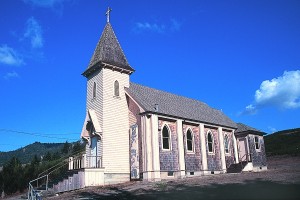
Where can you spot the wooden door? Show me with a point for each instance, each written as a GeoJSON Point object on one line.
{"type": "Point", "coordinates": [93, 158]}
{"type": "Point", "coordinates": [243, 149]}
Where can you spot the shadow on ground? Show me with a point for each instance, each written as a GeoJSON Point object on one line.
{"type": "Point", "coordinates": [255, 189]}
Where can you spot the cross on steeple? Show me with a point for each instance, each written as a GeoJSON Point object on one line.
{"type": "Point", "coordinates": [107, 14]}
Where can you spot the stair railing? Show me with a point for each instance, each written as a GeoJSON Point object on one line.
{"type": "Point", "coordinates": [32, 193]}
{"type": "Point", "coordinates": [248, 159]}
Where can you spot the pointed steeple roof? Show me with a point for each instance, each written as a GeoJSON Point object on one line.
{"type": "Point", "coordinates": [108, 53]}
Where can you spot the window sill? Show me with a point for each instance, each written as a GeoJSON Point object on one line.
{"type": "Point", "coordinates": [116, 97]}
{"type": "Point", "coordinates": [165, 149]}
{"type": "Point", "coordinates": [190, 152]}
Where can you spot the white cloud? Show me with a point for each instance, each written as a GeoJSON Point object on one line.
{"type": "Point", "coordinates": [272, 129]}
{"type": "Point", "coordinates": [282, 92]}
{"type": "Point", "coordinates": [250, 109]}
{"type": "Point", "coordinates": [10, 75]}
{"type": "Point", "coordinates": [44, 3]}
{"type": "Point", "coordinates": [33, 32]}
{"type": "Point", "coordinates": [146, 26]}
{"type": "Point", "coordinates": [173, 26]}
{"type": "Point", "coordinates": [9, 56]}
{"type": "Point", "coordinates": [55, 5]}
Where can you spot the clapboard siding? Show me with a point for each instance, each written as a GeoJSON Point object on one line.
{"type": "Point", "coordinates": [115, 124]}
{"type": "Point", "coordinates": [95, 103]}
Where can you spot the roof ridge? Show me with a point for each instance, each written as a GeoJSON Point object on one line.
{"type": "Point", "coordinates": [246, 127]}
{"type": "Point", "coordinates": [173, 94]}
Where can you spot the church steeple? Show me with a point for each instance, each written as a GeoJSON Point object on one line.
{"type": "Point", "coordinates": [108, 52]}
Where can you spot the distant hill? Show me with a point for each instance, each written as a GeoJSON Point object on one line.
{"type": "Point", "coordinates": [25, 154]}
{"type": "Point", "coordinates": [283, 142]}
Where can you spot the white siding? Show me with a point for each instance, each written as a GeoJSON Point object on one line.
{"type": "Point", "coordinates": [95, 103]}
{"type": "Point", "coordinates": [115, 124]}
{"type": "Point", "coordinates": [112, 114]}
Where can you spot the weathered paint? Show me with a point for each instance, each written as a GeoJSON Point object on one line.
{"type": "Point", "coordinates": [134, 153]}
{"type": "Point", "coordinates": [258, 156]}
{"type": "Point", "coordinates": [168, 158]}
{"type": "Point", "coordinates": [192, 159]}
{"type": "Point", "coordinates": [229, 157]}
{"type": "Point", "coordinates": [135, 119]}
{"type": "Point", "coordinates": [213, 159]}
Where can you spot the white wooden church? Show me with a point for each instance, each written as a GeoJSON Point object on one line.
{"type": "Point", "coordinates": [137, 132]}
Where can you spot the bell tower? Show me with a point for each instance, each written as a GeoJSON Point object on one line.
{"type": "Point", "coordinates": [106, 106]}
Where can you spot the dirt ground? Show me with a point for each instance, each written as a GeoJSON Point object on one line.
{"type": "Point", "coordinates": [280, 181]}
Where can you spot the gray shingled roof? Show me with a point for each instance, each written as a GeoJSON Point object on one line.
{"type": "Point", "coordinates": [109, 51]}
{"type": "Point", "coordinates": [244, 128]}
{"type": "Point", "coordinates": [177, 106]}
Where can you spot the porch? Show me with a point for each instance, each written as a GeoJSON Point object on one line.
{"type": "Point", "coordinates": [83, 161]}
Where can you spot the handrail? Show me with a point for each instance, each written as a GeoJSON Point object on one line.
{"type": "Point", "coordinates": [247, 159]}
{"type": "Point", "coordinates": [85, 162]}
{"type": "Point", "coordinates": [31, 192]}
{"type": "Point", "coordinates": [63, 159]}
{"type": "Point", "coordinates": [98, 162]}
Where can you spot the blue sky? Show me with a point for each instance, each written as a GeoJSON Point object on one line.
{"type": "Point", "coordinates": [242, 57]}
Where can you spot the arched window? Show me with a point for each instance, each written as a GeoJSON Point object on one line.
{"type": "Point", "coordinates": [226, 144]}
{"type": "Point", "coordinates": [210, 142]}
{"type": "Point", "coordinates": [256, 141]}
{"type": "Point", "coordinates": [94, 90]}
{"type": "Point", "coordinates": [116, 88]}
{"type": "Point", "coordinates": [165, 138]}
{"type": "Point", "coordinates": [189, 140]}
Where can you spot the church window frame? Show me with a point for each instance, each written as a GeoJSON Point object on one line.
{"type": "Point", "coordinates": [166, 143]}
{"type": "Point", "coordinates": [210, 142]}
{"type": "Point", "coordinates": [94, 90]}
{"type": "Point", "coordinates": [116, 88]}
{"type": "Point", "coordinates": [226, 144]}
{"type": "Point", "coordinates": [257, 143]}
{"type": "Point", "coordinates": [190, 142]}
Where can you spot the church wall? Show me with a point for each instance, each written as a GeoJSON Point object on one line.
{"type": "Point", "coordinates": [135, 118]}
{"type": "Point", "coordinates": [95, 103]}
{"type": "Point", "coordinates": [115, 124]}
{"type": "Point", "coordinates": [168, 158]}
{"type": "Point", "coordinates": [258, 156]}
{"type": "Point", "coordinates": [192, 159]}
{"type": "Point", "coordinates": [229, 157]}
{"type": "Point", "coordinates": [213, 159]}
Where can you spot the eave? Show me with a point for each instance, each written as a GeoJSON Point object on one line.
{"type": "Point", "coordinates": [101, 64]}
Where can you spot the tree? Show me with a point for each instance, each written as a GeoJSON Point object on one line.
{"type": "Point", "coordinates": [48, 156]}
{"type": "Point", "coordinates": [66, 148]}
{"type": "Point", "coordinates": [12, 176]}
{"type": "Point", "coordinates": [35, 160]}
{"type": "Point", "coordinates": [77, 148]}
{"type": "Point", "coordinates": [1, 182]}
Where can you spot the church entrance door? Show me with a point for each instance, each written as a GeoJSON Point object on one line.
{"type": "Point", "coordinates": [93, 158]}
{"type": "Point", "coordinates": [243, 150]}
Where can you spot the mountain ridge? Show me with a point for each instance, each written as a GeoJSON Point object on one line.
{"type": "Point", "coordinates": [25, 154]}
